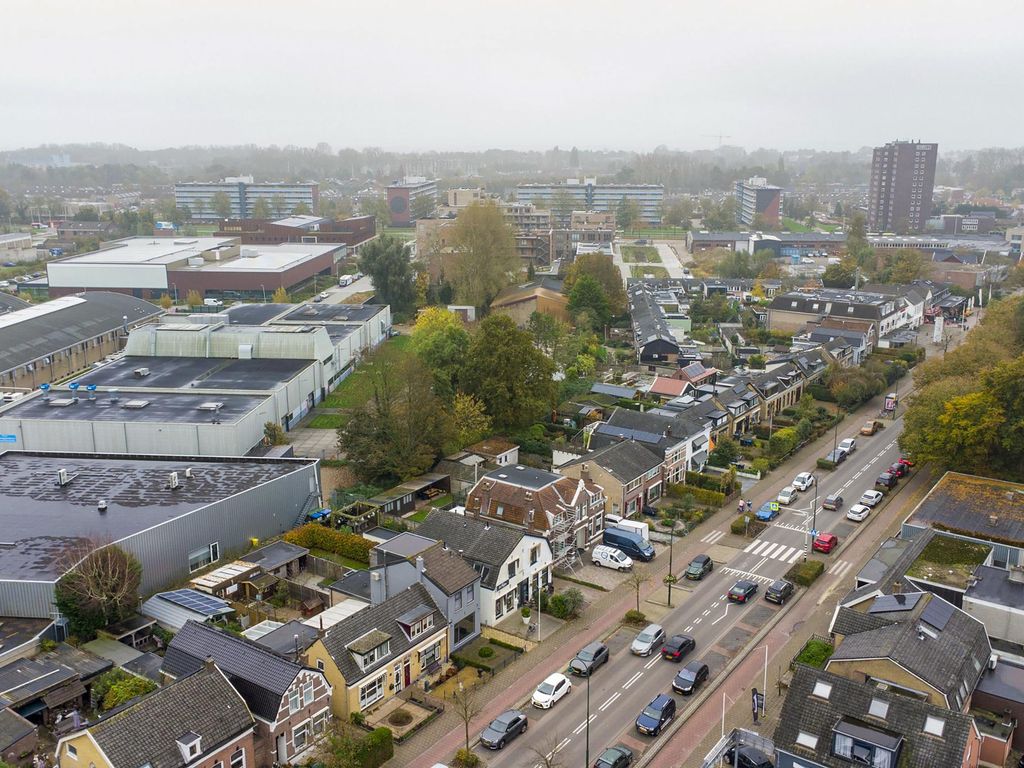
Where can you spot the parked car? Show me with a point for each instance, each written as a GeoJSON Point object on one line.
{"type": "Point", "coordinates": [803, 481]}
{"type": "Point", "coordinates": [317, 299]}
{"type": "Point", "coordinates": [858, 513]}
{"type": "Point", "coordinates": [649, 638]}
{"type": "Point", "coordinates": [871, 498]}
{"type": "Point", "coordinates": [906, 461]}
{"type": "Point", "coordinates": [779, 592]}
{"type": "Point", "coordinates": [690, 678]}
{"type": "Point", "coordinates": [748, 758]}
{"type": "Point", "coordinates": [677, 646]}
{"type": "Point", "coordinates": [886, 480]}
{"type": "Point", "coordinates": [324, 295]}
{"type": "Point", "coordinates": [503, 729]}
{"type": "Point", "coordinates": [787, 495]}
{"type": "Point", "coordinates": [849, 445]}
{"type": "Point", "coordinates": [699, 567]}
{"type": "Point", "coordinates": [630, 543]}
{"type": "Point", "coordinates": [838, 456]}
{"type": "Point", "coordinates": [656, 715]}
{"type": "Point", "coordinates": [768, 511]}
{"type": "Point", "coordinates": [549, 692]}
{"type": "Point", "coordinates": [900, 470]}
{"type": "Point", "coordinates": [589, 658]}
{"type": "Point", "coordinates": [618, 756]}
{"type": "Point", "coordinates": [832, 501]}
{"type": "Point", "coordinates": [742, 591]}
{"type": "Point", "coordinates": [870, 427]}
{"type": "Point", "coordinates": [610, 557]}
{"type": "Point", "coordinates": [825, 542]}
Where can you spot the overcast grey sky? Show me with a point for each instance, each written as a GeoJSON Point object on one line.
{"type": "Point", "coordinates": [473, 74]}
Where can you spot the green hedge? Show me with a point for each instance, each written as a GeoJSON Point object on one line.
{"type": "Point", "coordinates": [376, 748]}
{"type": "Point", "coordinates": [805, 573]}
{"type": "Point", "coordinates": [316, 536]}
{"type": "Point", "coordinates": [700, 495]}
{"type": "Point", "coordinates": [826, 464]}
{"type": "Point", "coordinates": [462, 661]}
{"type": "Point", "coordinates": [821, 392]}
{"type": "Point", "coordinates": [635, 617]}
{"type": "Point", "coordinates": [506, 646]}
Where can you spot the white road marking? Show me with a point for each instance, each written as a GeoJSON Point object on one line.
{"type": "Point", "coordinates": [796, 556]}
{"type": "Point", "coordinates": [611, 700]}
{"type": "Point", "coordinates": [651, 663]}
{"type": "Point", "coordinates": [840, 568]}
{"type": "Point", "coordinates": [715, 604]}
{"type": "Point", "coordinates": [706, 613]}
{"type": "Point", "coordinates": [749, 576]}
{"type": "Point", "coordinates": [768, 552]}
{"type": "Point", "coordinates": [689, 628]}
{"type": "Point", "coordinates": [760, 545]}
{"type": "Point", "coordinates": [751, 545]}
{"type": "Point", "coordinates": [724, 614]}
{"type": "Point", "coordinates": [697, 620]}
{"type": "Point", "coordinates": [785, 553]}
{"type": "Point", "coordinates": [632, 680]}
{"type": "Point", "coordinates": [561, 745]}
{"type": "Point", "coordinates": [712, 537]}
{"type": "Point", "coordinates": [579, 728]}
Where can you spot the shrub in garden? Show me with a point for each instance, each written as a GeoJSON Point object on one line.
{"type": "Point", "coordinates": [635, 617]}
{"type": "Point", "coordinates": [485, 652]}
{"type": "Point", "coordinates": [737, 526]}
{"type": "Point", "coordinates": [566, 605]}
{"type": "Point", "coordinates": [315, 536]}
{"type": "Point", "coordinates": [826, 464]}
{"type": "Point", "coordinates": [805, 573]}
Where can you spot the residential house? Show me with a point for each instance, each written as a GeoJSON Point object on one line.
{"type": "Point", "coordinates": [680, 438]}
{"type": "Point", "coordinates": [17, 737]}
{"type": "Point", "coordinates": [496, 450]}
{"type": "Point", "coordinates": [290, 702]}
{"type": "Point", "coordinates": [778, 387]}
{"type": "Point", "coordinates": [514, 565]}
{"type": "Point", "coordinates": [543, 295]}
{"type": "Point", "coordinates": [198, 722]}
{"type": "Point", "coordinates": [696, 374]}
{"type": "Point", "coordinates": [859, 333]}
{"type": "Point", "coordinates": [568, 513]}
{"type": "Point", "coordinates": [630, 473]}
{"type": "Point", "coordinates": [653, 338]}
{"type": "Point", "coordinates": [454, 586]}
{"type": "Point", "coordinates": [379, 651]}
{"type": "Point", "coordinates": [1001, 690]}
{"type": "Point", "coordinates": [668, 388]}
{"type": "Point", "coordinates": [811, 363]}
{"type": "Point", "coordinates": [49, 683]}
{"type": "Point", "coordinates": [829, 721]}
{"type": "Point", "coordinates": [740, 402]}
{"type": "Point", "coordinates": [789, 312]}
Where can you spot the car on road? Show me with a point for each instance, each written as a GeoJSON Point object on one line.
{"type": "Point", "coordinates": [699, 567]}
{"type": "Point", "coordinates": [849, 445]}
{"type": "Point", "coordinates": [618, 756]}
{"type": "Point", "coordinates": [357, 276]}
{"type": "Point", "coordinates": [324, 295]}
{"type": "Point", "coordinates": [838, 456]}
{"type": "Point", "coordinates": [345, 280]}
{"type": "Point", "coordinates": [677, 646]}
{"type": "Point", "coordinates": [858, 513]}
{"type": "Point", "coordinates": [317, 299]}
{"type": "Point", "coordinates": [803, 481]}
{"type": "Point", "coordinates": [748, 758]}
{"type": "Point", "coordinates": [742, 591]}
{"type": "Point", "coordinates": [900, 470]}
{"type": "Point", "coordinates": [779, 592]}
{"type": "Point", "coordinates": [870, 427]}
{"type": "Point", "coordinates": [649, 638]}
{"type": "Point", "coordinates": [549, 692]}
{"type": "Point", "coordinates": [503, 729]}
{"type": "Point", "coordinates": [690, 678]}
{"type": "Point", "coordinates": [768, 511]}
{"type": "Point", "coordinates": [787, 495]}
{"type": "Point", "coordinates": [886, 480]}
{"type": "Point", "coordinates": [589, 658]}
{"type": "Point", "coordinates": [871, 498]}
{"type": "Point", "coordinates": [610, 557]}
{"type": "Point", "coordinates": [825, 542]}
{"type": "Point", "coordinates": [656, 715]}
{"type": "Point", "coordinates": [832, 501]}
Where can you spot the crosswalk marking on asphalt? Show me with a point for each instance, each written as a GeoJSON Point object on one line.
{"type": "Point", "coordinates": [748, 576]}
{"type": "Point", "coordinates": [795, 557]}
{"type": "Point", "coordinates": [774, 550]}
{"type": "Point", "coordinates": [712, 537]}
{"type": "Point", "coordinates": [840, 568]}
{"type": "Point", "coordinates": [768, 552]}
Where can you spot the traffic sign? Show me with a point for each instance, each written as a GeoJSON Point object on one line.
{"type": "Point", "coordinates": [814, 533]}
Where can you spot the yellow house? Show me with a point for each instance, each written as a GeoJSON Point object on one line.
{"type": "Point", "coordinates": [375, 653]}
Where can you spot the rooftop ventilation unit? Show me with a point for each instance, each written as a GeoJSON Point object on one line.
{"type": "Point", "coordinates": [63, 478]}
{"type": "Point", "coordinates": [60, 402]}
{"type": "Point", "coordinates": [135, 405]}
{"type": "Point", "coordinates": [172, 480]}
{"type": "Point", "coordinates": [102, 506]}
{"type": "Point", "coordinates": [188, 472]}
{"type": "Point", "coordinates": [210, 406]}
{"type": "Point", "coordinates": [141, 373]}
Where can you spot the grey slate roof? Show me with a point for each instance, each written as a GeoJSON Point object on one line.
{"type": "Point", "coordinates": [41, 334]}
{"type": "Point", "coordinates": [447, 570]}
{"type": "Point", "coordinates": [649, 428]}
{"type": "Point", "coordinates": [381, 618]}
{"type": "Point", "coordinates": [480, 542]}
{"type": "Point", "coordinates": [10, 303]}
{"type": "Point", "coordinates": [625, 461]}
{"type": "Point", "coordinates": [258, 674]}
{"type": "Point", "coordinates": [274, 555]}
{"type": "Point", "coordinates": [850, 701]}
{"type": "Point", "coordinates": [282, 640]}
{"type": "Point", "coordinates": [885, 576]}
{"type": "Point", "coordinates": [147, 732]}
{"type": "Point", "coordinates": [13, 728]}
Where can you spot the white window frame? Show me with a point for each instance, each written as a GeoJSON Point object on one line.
{"type": "Point", "coordinates": [307, 693]}
{"type": "Point", "coordinates": [294, 700]}
{"type": "Point", "coordinates": [237, 759]}
{"type": "Point", "coordinates": [380, 683]}
{"type": "Point", "coordinates": [808, 740]}
{"type": "Point", "coordinates": [305, 729]}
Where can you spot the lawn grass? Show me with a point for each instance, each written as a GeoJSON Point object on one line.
{"type": "Point", "coordinates": [401, 233]}
{"type": "Point", "coordinates": [640, 254]}
{"type": "Point", "coordinates": [792, 225]}
{"type": "Point", "coordinates": [815, 653]}
{"type": "Point", "coordinates": [327, 421]}
{"type": "Point", "coordinates": [420, 516]}
{"type": "Point", "coordinates": [658, 272]}
{"type": "Point", "coordinates": [661, 233]}
{"type": "Point", "coordinates": [340, 559]}
{"type": "Point", "coordinates": [357, 389]}
{"type": "Point", "coordinates": [441, 501]}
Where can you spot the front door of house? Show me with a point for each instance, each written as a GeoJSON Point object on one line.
{"type": "Point", "coordinates": [408, 672]}
{"type": "Point", "coordinates": [524, 592]}
{"type": "Point", "coordinates": [282, 749]}
{"type": "Point", "coordinates": [398, 678]}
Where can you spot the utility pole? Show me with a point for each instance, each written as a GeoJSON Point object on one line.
{"type": "Point", "coordinates": [587, 763]}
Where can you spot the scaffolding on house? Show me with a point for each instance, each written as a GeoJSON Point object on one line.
{"type": "Point", "coordinates": [564, 552]}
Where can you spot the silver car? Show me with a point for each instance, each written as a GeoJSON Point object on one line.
{"type": "Point", "coordinates": [651, 637]}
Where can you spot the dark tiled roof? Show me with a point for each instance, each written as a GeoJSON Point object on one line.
{"type": "Point", "coordinates": [260, 676]}
{"type": "Point", "coordinates": [804, 712]}
{"type": "Point", "coordinates": [850, 622]}
{"type": "Point", "coordinates": [478, 541]}
{"type": "Point", "coordinates": [886, 576]}
{"type": "Point", "coordinates": [964, 503]}
{"type": "Point", "coordinates": [382, 619]}
{"type": "Point", "coordinates": [282, 640]}
{"type": "Point", "coordinates": [13, 728]}
{"type": "Point", "coordinates": [354, 583]}
{"type": "Point", "coordinates": [147, 732]}
{"type": "Point", "coordinates": [625, 461]}
{"type": "Point", "coordinates": [447, 570]}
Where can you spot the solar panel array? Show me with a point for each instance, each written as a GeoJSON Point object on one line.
{"type": "Point", "coordinates": [195, 601]}
{"type": "Point", "coordinates": [894, 603]}
{"type": "Point", "coordinates": [937, 613]}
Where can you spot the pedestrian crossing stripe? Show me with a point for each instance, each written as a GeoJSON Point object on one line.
{"type": "Point", "coordinates": [774, 550]}
{"type": "Point", "coordinates": [712, 537]}
{"type": "Point", "coordinates": [747, 575]}
{"type": "Point", "coordinates": [840, 568]}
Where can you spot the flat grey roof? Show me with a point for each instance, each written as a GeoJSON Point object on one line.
{"type": "Point", "coordinates": [334, 313]}
{"type": "Point", "coordinates": [338, 332]}
{"type": "Point", "coordinates": [161, 407]}
{"type": "Point", "coordinates": [255, 314]}
{"type": "Point", "coordinates": [228, 373]}
{"type": "Point", "coordinates": [1005, 681]}
{"type": "Point", "coordinates": [522, 475]}
{"type": "Point", "coordinates": [40, 519]}
{"type": "Point", "coordinates": [993, 585]}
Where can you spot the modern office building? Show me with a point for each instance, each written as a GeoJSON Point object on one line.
{"type": "Point", "coordinates": [243, 192]}
{"type": "Point", "coordinates": [756, 199]}
{"type": "Point", "coordinates": [402, 194]}
{"type": "Point", "coordinates": [588, 195]}
{"type": "Point", "coordinates": [902, 181]}
{"type": "Point", "coordinates": [352, 231]}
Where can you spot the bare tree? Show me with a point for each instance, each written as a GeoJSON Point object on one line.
{"type": "Point", "coordinates": [546, 751]}
{"type": "Point", "coordinates": [466, 706]}
{"type": "Point", "coordinates": [100, 584]}
{"type": "Point", "coordinates": [636, 579]}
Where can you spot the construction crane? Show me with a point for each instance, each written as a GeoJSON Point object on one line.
{"type": "Point", "coordinates": [718, 136]}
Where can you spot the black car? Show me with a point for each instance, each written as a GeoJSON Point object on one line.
{"type": "Point", "coordinates": [779, 592]}
{"type": "Point", "coordinates": [838, 456]}
{"type": "Point", "coordinates": [618, 756]}
{"type": "Point", "coordinates": [699, 567]}
{"type": "Point", "coordinates": [832, 501]}
{"type": "Point", "coordinates": [749, 758]}
{"type": "Point", "coordinates": [677, 646]}
{"type": "Point", "coordinates": [886, 480]}
{"type": "Point", "coordinates": [690, 678]}
{"type": "Point", "coordinates": [503, 729]}
{"type": "Point", "coordinates": [656, 715]}
{"type": "Point", "coordinates": [742, 591]}
{"type": "Point", "coordinates": [589, 659]}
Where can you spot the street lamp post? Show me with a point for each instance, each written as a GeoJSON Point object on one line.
{"type": "Point", "coordinates": [814, 517]}
{"type": "Point", "coordinates": [671, 541]}
{"type": "Point", "coordinates": [588, 721]}
{"type": "Point", "coordinates": [264, 292]}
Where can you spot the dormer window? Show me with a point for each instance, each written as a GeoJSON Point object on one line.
{"type": "Point", "coordinates": [189, 744]}
{"type": "Point", "coordinates": [370, 648]}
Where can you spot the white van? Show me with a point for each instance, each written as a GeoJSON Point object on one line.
{"type": "Point", "coordinates": [610, 557]}
{"type": "Point", "coordinates": [213, 303]}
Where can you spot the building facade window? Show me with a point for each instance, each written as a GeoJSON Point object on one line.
{"type": "Point", "coordinates": [372, 692]}
{"type": "Point", "coordinates": [300, 736]}
{"type": "Point", "coordinates": [238, 758]}
{"type": "Point", "coordinates": [430, 655]}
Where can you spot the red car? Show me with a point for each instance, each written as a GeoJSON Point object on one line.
{"type": "Point", "coordinates": [825, 542]}
{"type": "Point", "coordinates": [906, 461]}
{"type": "Point", "coordinates": [900, 470]}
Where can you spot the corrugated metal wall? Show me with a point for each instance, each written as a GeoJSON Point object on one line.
{"type": "Point", "coordinates": [29, 599]}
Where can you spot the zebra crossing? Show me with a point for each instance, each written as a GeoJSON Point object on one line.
{"type": "Point", "coordinates": [712, 537]}
{"type": "Point", "coordinates": [840, 567]}
{"type": "Point", "coordinates": [749, 575]}
{"type": "Point", "coordinates": [774, 550]}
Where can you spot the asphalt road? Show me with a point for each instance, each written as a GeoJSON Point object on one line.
{"type": "Point", "coordinates": [338, 294]}
{"type": "Point", "coordinates": [621, 688]}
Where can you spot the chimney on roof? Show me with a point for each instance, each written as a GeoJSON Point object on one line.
{"type": "Point", "coordinates": [897, 587]}
{"type": "Point", "coordinates": [208, 663]}
{"type": "Point", "coordinates": [420, 568]}
{"type": "Point", "coordinates": [993, 519]}
{"type": "Point", "coordinates": [584, 471]}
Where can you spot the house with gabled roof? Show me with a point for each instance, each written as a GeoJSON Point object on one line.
{"type": "Point", "coordinates": [290, 702]}
{"type": "Point", "coordinates": [631, 474]}
{"type": "Point", "coordinates": [200, 720]}
{"type": "Point", "coordinates": [381, 650]}
{"type": "Point", "coordinates": [680, 437]}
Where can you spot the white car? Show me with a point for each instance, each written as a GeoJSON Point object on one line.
{"type": "Point", "coordinates": [858, 512]}
{"type": "Point", "coordinates": [325, 295]}
{"type": "Point", "coordinates": [554, 687]}
{"type": "Point", "coordinates": [803, 481]}
{"type": "Point", "coordinates": [849, 445]}
{"type": "Point", "coordinates": [610, 557]}
{"type": "Point", "coordinates": [787, 495]}
{"type": "Point", "coordinates": [871, 498]}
